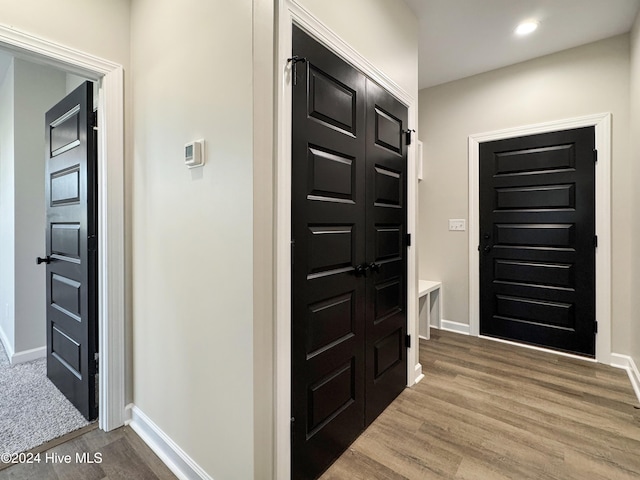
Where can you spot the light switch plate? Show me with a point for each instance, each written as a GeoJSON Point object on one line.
{"type": "Point", "coordinates": [457, 224]}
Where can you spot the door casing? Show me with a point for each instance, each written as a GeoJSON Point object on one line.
{"type": "Point", "coordinates": [111, 303]}
{"type": "Point", "coordinates": [290, 13]}
{"type": "Point", "coordinates": [602, 124]}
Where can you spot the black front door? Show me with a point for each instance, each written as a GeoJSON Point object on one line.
{"type": "Point", "coordinates": [537, 240]}
{"type": "Point", "coordinates": [348, 252]}
{"type": "Point", "coordinates": [71, 261]}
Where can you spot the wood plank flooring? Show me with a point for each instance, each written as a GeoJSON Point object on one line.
{"type": "Point", "coordinates": [487, 410]}
{"type": "Point", "coordinates": [123, 456]}
{"type": "Point", "coordinates": [484, 411]}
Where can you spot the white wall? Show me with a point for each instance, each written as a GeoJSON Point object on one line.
{"type": "Point", "coordinates": [192, 229]}
{"type": "Point", "coordinates": [634, 314]}
{"type": "Point", "coordinates": [584, 80]}
{"type": "Point", "coordinates": [385, 32]}
{"type": "Point", "coordinates": [7, 209]}
{"type": "Point", "coordinates": [37, 89]}
{"type": "Point", "coordinates": [98, 28]}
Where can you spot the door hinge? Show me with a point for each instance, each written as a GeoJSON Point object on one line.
{"type": "Point", "coordinates": [595, 327]}
{"type": "Point", "coordinates": [595, 155]}
{"type": "Point", "coordinates": [94, 120]}
{"type": "Point", "coordinates": [294, 69]}
{"type": "Point", "coordinates": [407, 341]}
{"type": "Point", "coordinates": [96, 359]}
{"type": "Point", "coordinates": [293, 248]}
{"type": "Point", "coordinates": [293, 430]}
{"type": "Point", "coordinates": [595, 241]}
{"type": "Point", "coordinates": [408, 239]}
{"type": "Point", "coordinates": [407, 134]}
{"type": "Point", "coordinates": [92, 243]}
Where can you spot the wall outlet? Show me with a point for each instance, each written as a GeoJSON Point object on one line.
{"type": "Point", "coordinates": [457, 224]}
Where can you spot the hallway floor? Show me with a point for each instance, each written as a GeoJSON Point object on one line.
{"type": "Point", "coordinates": [119, 454]}
{"type": "Point", "coordinates": [491, 411]}
{"type": "Point", "coordinates": [484, 411]}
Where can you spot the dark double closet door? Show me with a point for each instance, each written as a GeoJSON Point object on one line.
{"type": "Point", "coordinates": [349, 265]}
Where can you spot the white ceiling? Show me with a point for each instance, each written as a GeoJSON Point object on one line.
{"type": "Point", "coordinates": [460, 38]}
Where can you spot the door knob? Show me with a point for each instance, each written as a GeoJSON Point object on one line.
{"type": "Point", "coordinates": [361, 270]}
{"type": "Point", "coordinates": [375, 267]}
{"type": "Point", "coordinates": [46, 259]}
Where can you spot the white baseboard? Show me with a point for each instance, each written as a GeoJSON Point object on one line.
{"type": "Point", "coordinates": [627, 363]}
{"type": "Point", "coordinates": [128, 413]}
{"type": "Point", "coordinates": [456, 327]}
{"type": "Point", "coordinates": [28, 355]}
{"type": "Point", "coordinates": [419, 375]}
{"type": "Point", "coordinates": [169, 452]}
{"type": "Point", "coordinates": [23, 356]}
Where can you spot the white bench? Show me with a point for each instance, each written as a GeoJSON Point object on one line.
{"type": "Point", "coordinates": [429, 306]}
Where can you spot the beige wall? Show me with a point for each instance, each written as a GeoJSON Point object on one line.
{"type": "Point", "coordinates": [28, 91]}
{"type": "Point", "coordinates": [96, 27]}
{"type": "Point", "coordinates": [192, 229]}
{"type": "Point", "coordinates": [581, 81]}
{"type": "Point", "coordinates": [385, 32]}
{"type": "Point", "coordinates": [634, 257]}
{"type": "Point", "coordinates": [37, 89]}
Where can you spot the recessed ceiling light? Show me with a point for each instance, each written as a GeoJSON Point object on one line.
{"type": "Point", "coordinates": [527, 27]}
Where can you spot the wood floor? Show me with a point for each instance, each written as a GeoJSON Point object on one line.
{"type": "Point", "coordinates": [486, 411]}
{"type": "Point", "coordinates": [123, 456]}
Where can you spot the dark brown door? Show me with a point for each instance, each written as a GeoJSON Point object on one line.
{"type": "Point", "coordinates": [70, 193]}
{"type": "Point", "coordinates": [537, 240]}
{"type": "Point", "coordinates": [348, 286]}
{"type": "Point", "coordinates": [386, 219]}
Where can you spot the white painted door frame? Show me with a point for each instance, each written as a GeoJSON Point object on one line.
{"type": "Point", "coordinates": [602, 124]}
{"type": "Point", "coordinates": [110, 205]}
{"type": "Point", "coordinates": [289, 13]}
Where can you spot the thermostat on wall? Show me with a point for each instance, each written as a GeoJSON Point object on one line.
{"type": "Point", "coordinates": [194, 154]}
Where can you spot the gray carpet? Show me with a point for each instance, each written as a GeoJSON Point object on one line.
{"type": "Point", "coordinates": [32, 409]}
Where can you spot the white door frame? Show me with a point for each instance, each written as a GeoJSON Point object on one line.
{"type": "Point", "coordinates": [602, 124]}
{"type": "Point", "coordinates": [111, 293]}
{"type": "Point", "coordinates": [289, 13]}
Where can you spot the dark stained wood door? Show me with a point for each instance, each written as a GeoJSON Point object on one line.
{"type": "Point", "coordinates": [537, 240]}
{"type": "Point", "coordinates": [348, 252]}
{"type": "Point", "coordinates": [71, 261]}
{"type": "Point", "coordinates": [386, 216]}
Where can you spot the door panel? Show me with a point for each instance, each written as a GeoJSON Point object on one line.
{"type": "Point", "coordinates": [386, 216]}
{"type": "Point", "coordinates": [328, 229]}
{"type": "Point", "coordinates": [537, 227]}
{"type": "Point", "coordinates": [70, 192]}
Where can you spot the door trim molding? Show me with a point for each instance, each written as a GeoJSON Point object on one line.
{"type": "Point", "coordinates": [602, 124]}
{"type": "Point", "coordinates": [111, 303]}
{"type": "Point", "coordinates": [290, 12]}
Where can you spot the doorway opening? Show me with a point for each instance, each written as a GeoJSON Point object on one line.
{"type": "Point", "coordinates": [111, 304]}
{"type": "Point", "coordinates": [34, 410]}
